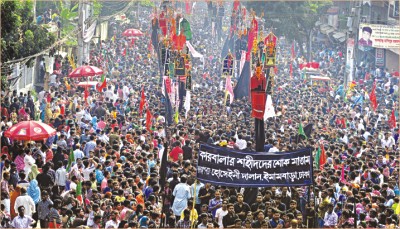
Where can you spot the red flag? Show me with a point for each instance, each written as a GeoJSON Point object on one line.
{"type": "Point", "coordinates": [150, 46]}
{"type": "Point", "coordinates": [342, 179]}
{"type": "Point", "coordinates": [102, 85]}
{"type": "Point", "coordinates": [372, 97]}
{"type": "Point", "coordinates": [236, 4]}
{"type": "Point", "coordinates": [142, 102]}
{"type": "Point", "coordinates": [322, 158]}
{"type": "Point", "coordinates": [149, 116]}
{"type": "Point", "coordinates": [187, 6]}
{"type": "Point", "coordinates": [124, 52]}
{"type": "Point", "coordinates": [392, 120]}
{"type": "Point", "coordinates": [291, 70]}
{"type": "Point", "coordinates": [292, 50]}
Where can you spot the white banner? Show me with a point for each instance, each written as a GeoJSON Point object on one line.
{"type": "Point", "coordinates": [89, 33]}
{"type": "Point", "coordinates": [378, 36]}
{"type": "Point", "coordinates": [193, 51]}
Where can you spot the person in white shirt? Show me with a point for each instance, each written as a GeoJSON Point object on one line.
{"type": "Point", "coordinates": [61, 177]}
{"type": "Point", "coordinates": [241, 144]}
{"type": "Point", "coordinates": [88, 169]}
{"type": "Point", "coordinates": [388, 141]}
{"type": "Point", "coordinates": [220, 213]}
{"type": "Point", "coordinates": [22, 220]}
{"type": "Point", "coordinates": [78, 153]}
{"type": "Point", "coordinates": [274, 147]}
{"type": "Point", "coordinates": [331, 218]}
{"type": "Point", "coordinates": [26, 201]}
{"type": "Point", "coordinates": [113, 222]}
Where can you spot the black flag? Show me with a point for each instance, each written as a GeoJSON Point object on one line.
{"type": "Point", "coordinates": [163, 168]}
{"type": "Point", "coordinates": [168, 107]}
{"type": "Point", "coordinates": [308, 129]}
{"type": "Point", "coordinates": [242, 88]}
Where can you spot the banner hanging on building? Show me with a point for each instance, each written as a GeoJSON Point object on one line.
{"type": "Point", "coordinates": [234, 168]}
{"type": "Point", "coordinates": [378, 36]}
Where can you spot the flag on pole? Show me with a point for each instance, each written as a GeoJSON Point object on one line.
{"type": "Point", "coordinates": [176, 116]}
{"type": "Point", "coordinates": [142, 102]}
{"type": "Point", "coordinates": [79, 192]}
{"type": "Point", "coordinates": [124, 52]}
{"type": "Point", "coordinates": [149, 116]}
{"type": "Point", "coordinates": [301, 131]}
{"type": "Point", "coordinates": [102, 84]}
{"type": "Point", "coordinates": [322, 157]}
{"type": "Point", "coordinates": [317, 156]}
{"type": "Point", "coordinates": [269, 108]}
{"type": "Point", "coordinates": [71, 159]}
{"type": "Point", "coordinates": [392, 120]}
{"type": "Point", "coordinates": [228, 89]}
{"type": "Point", "coordinates": [187, 103]}
{"type": "Point", "coordinates": [372, 97]}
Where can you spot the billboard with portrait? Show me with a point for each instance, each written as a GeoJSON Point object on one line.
{"type": "Point", "coordinates": [378, 36]}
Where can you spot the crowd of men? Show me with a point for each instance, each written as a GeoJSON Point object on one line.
{"type": "Point", "coordinates": [113, 181]}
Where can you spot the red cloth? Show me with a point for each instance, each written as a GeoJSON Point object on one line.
{"type": "Point", "coordinates": [322, 157]}
{"type": "Point", "coordinates": [148, 120]}
{"type": "Point", "coordinates": [258, 96]}
{"type": "Point", "coordinates": [163, 24]}
{"type": "Point", "coordinates": [52, 225]}
{"type": "Point", "coordinates": [392, 120]}
{"type": "Point", "coordinates": [174, 154]}
{"type": "Point", "coordinates": [142, 102]}
{"type": "Point", "coordinates": [372, 98]}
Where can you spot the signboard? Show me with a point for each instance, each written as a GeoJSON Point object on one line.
{"type": "Point", "coordinates": [380, 57]}
{"type": "Point", "coordinates": [234, 168]}
{"type": "Point", "coordinates": [378, 36]}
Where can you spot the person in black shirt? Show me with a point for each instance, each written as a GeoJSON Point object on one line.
{"type": "Point", "coordinates": [44, 180]}
{"type": "Point", "coordinates": [259, 205]}
{"type": "Point", "coordinates": [229, 220]}
{"type": "Point", "coordinates": [206, 193]}
{"type": "Point", "coordinates": [241, 208]}
{"type": "Point", "coordinates": [292, 208]}
{"type": "Point", "coordinates": [278, 203]}
{"type": "Point", "coordinates": [187, 151]}
{"type": "Point", "coordinates": [259, 221]}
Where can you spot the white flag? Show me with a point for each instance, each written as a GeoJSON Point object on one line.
{"type": "Point", "coordinates": [187, 103]}
{"type": "Point", "coordinates": [269, 108]}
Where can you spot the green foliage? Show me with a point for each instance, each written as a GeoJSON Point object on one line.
{"type": "Point", "coordinates": [4, 83]}
{"type": "Point", "coordinates": [97, 7]}
{"type": "Point", "coordinates": [21, 37]}
{"type": "Point", "coordinates": [291, 19]}
{"type": "Point", "coordinates": [68, 17]}
{"type": "Point", "coordinates": [147, 3]}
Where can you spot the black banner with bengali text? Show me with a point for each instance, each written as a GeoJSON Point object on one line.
{"type": "Point", "coordinates": [235, 168]}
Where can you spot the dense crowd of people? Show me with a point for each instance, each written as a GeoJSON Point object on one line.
{"type": "Point", "coordinates": [113, 181]}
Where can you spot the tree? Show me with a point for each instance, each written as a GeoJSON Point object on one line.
{"type": "Point", "coordinates": [292, 19]}
{"type": "Point", "coordinates": [21, 36]}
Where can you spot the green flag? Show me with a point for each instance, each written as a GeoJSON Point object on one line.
{"type": "Point", "coordinates": [71, 159]}
{"type": "Point", "coordinates": [317, 156]}
{"type": "Point", "coordinates": [301, 131]}
{"type": "Point", "coordinates": [176, 117]}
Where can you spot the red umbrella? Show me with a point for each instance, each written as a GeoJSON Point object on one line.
{"type": "Point", "coordinates": [132, 33]}
{"type": "Point", "coordinates": [86, 70]}
{"type": "Point", "coordinates": [30, 131]}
